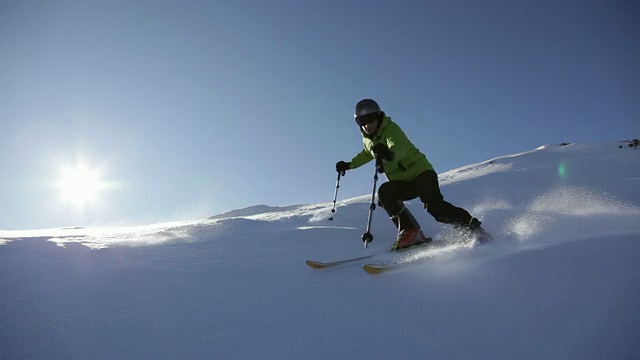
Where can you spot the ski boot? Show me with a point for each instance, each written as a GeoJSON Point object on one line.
{"type": "Point", "coordinates": [482, 235]}
{"type": "Point", "coordinates": [409, 237]}
{"type": "Point", "coordinates": [478, 232]}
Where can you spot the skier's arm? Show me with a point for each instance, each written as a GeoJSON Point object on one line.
{"type": "Point", "coordinates": [362, 158]}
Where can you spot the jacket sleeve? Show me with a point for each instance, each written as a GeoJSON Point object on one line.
{"type": "Point", "coordinates": [397, 142]}
{"type": "Point", "coordinates": [362, 158]}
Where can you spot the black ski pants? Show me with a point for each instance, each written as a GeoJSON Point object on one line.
{"type": "Point", "coordinates": [424, 186]}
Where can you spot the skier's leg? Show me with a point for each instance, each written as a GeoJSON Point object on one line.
{"type": "Point", "coordinates": [445, 212]}
{"type": "Point", "coordinates": [391, 196]}
{"type": "Point", "coordinates": [441, 210]}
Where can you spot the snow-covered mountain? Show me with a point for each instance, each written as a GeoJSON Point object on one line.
{"type": "Point", "coordinates": [559, 282]}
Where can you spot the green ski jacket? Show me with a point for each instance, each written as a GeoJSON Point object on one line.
{"type": "Point", "coordinates": [408, 162]}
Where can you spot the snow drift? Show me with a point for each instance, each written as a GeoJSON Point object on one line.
{"type": "Point", "coordinates": [560, 281]}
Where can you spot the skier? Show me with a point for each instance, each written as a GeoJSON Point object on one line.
{"type": "Point", "coordinates": [409, 173]}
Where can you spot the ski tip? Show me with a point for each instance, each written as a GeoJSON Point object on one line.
{"type": "Point", "coordinates": [374, 269]}
{"type": "Point", "coordinates": [315, 264]}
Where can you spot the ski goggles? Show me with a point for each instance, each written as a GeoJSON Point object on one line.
{"type": "Point", "coordinates": [367, 119]}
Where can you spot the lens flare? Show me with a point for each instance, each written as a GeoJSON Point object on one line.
{"type": "Point", "coordinates": [562, 171]}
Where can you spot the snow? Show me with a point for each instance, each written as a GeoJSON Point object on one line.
{"type": "Point", "coordinates": [560, 281]}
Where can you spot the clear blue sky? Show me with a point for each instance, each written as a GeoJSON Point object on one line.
{"type": "Point", "coordinates": [185, 109]}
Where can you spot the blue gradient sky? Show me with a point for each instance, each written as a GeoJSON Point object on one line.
{"type": "Point", "coordinates": [191, 108]}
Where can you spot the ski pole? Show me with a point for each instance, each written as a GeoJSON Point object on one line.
{"type": "Point", "coordinates": [335, 196]}
{"type": "Point", "coordinates": [367, 237]}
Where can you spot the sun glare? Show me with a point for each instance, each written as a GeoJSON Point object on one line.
{"type": "Point", "coordinates": [81, 185]}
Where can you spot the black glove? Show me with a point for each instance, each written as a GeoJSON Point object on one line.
{"type": "Point", "coordinates": [382, 152]}
{"type": "Point", "coordinates": [342, 167]}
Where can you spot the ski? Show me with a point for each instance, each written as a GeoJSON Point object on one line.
{"type": "Point", "coordinates": [378, 268]}
{"type": "Point", "coordinates": [326, 264]}
{"type": "Point", "coordinates": [381, 267]}
{"type": "Point", "coordinates": [322, 264]}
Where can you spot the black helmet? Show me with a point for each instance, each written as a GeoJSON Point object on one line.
{"type": "Point", "coordinates": [365, 107]}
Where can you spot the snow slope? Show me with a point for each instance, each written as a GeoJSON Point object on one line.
{"type": "Point", "coordinates": [561, 281]}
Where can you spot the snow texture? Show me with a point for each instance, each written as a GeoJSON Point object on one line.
{"type": "Point", "coordinates": [561, 281]}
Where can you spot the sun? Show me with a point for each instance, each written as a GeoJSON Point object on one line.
{"type": "Point", "coordinates": [81, 185]}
